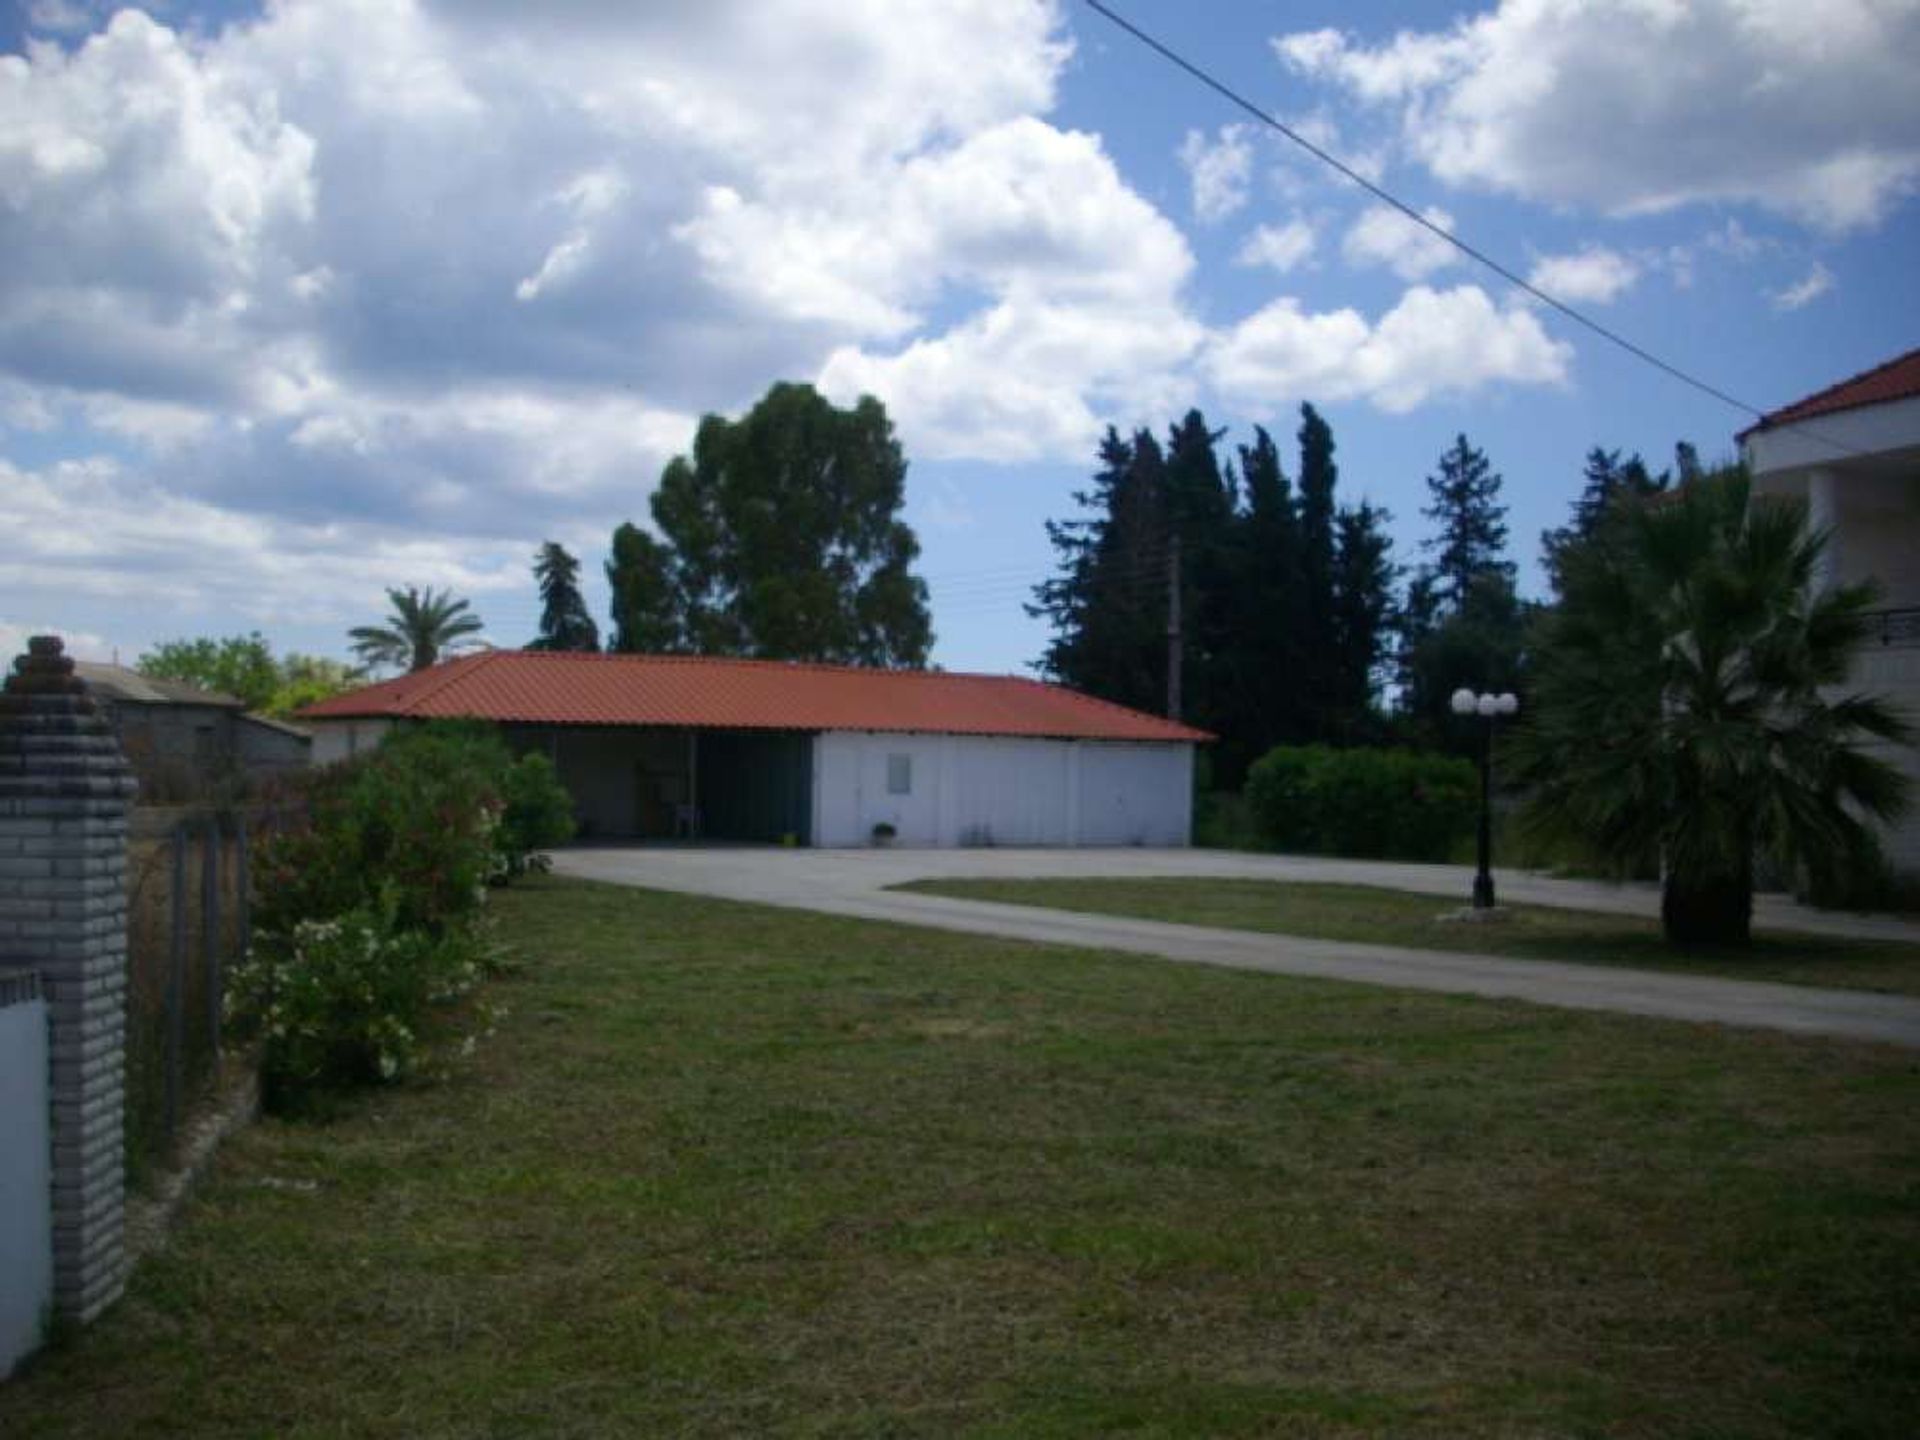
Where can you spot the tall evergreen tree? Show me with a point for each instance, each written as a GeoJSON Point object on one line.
{"type": "Point", "coordinates": [1606, 480]}
{"type": "Point", "coordinates": [1473, 531]}
{"type": "Point", "coordinates": [640, 574]}
{"type": "Point", "coordinates": [1201, 512]}
{"type": "Point", "coordinates": [1363, 616]}
{"type": "Point", "coordinates": [564, 621]}
{"type": "Point", "coordinates": [1268, 592]}
{"type": "Point", "coordinates": [1318, 477]}
{"type": "Point", "coordinates": [1464, 623]}
{"type": "Point", "coordinates": [1108, 604]}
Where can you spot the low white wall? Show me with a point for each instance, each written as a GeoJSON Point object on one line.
{"type": "Point", "coordinates": [992, 790]}
{"type": "Point", "coordinates": [26, 1184]}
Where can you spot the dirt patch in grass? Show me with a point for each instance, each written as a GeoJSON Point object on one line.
{"type": "Point", "coordinates": [728, 1170]}
{"type": "Point", "coordinates": [1397, 917]}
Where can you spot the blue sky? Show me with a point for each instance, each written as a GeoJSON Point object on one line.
{"type": "Point", "coordinates": [306, 301]}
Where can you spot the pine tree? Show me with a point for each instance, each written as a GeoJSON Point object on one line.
{"type": "Point", "coordinates": [564, 621]}
{"type": "Point", "coordinates": [1464, 623]}
{"type": "Point", "coordinates": [1473, 531]}
{"type": "Point", "coordinates": [640, 574]}
{"type": "Point", "coordinates": [1606, 480]}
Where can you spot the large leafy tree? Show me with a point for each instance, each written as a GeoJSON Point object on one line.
{"type": "Point", "coordinates": [238, 665]}
{"type": "Point", "coordinates": [422, 626]}
{"type": "Point", "coordinates": [245, 667]}
{"type": "Point", "coordinates": [640, 574]}
{"type": "Point", "coordinates": [565, 623]}
{"type": "Point", "coordinates": [1690, 703]}
{"type": "Point", "coordinates": [786, 536]}
{"type": "Point", "coordinates": [309, 679]}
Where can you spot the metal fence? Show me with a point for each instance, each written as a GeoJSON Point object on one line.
{"type": "Point", "coordinates": [187, 919]}
{"type": "Point", "coordinates": [1895, 627]}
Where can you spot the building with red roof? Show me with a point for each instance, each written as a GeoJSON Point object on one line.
{"type": "Point", "coordinates": [1851, 452]}
{"type": "Point", "coordinates": [655, 746]}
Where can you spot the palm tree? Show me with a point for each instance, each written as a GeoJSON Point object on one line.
{"type": "Point", "coordinates": [1689, 705]}
{"type": "Point", "coordinates": [423, 626]}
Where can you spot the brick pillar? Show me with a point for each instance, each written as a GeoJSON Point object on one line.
{"type": "Point", "coordinates": [65, 790]}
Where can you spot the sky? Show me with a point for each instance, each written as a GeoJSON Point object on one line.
{"type": "Point", "coordinates": [304, 300]}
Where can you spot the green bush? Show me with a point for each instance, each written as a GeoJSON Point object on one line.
{"type": "Point", "coordinates": [343, 1002]}
{"type": "Point", "coordinates": [538, 814]}
{"type": "Point", "coordinates": [1369, 804]}
{"type": "Point", "coordinates": [371, 897]}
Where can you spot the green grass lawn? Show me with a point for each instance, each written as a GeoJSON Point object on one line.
{"type": "Point", "coordinates": [1398, 917]}
{"type": "Point", "coordinates": [737, 1171]}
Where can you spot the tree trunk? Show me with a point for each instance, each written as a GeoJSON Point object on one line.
{"type": "Point", "coordinates": [1708, 909]}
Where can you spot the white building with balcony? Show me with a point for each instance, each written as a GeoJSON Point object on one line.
{"type": "Point", "coordinates": [1852, 452]}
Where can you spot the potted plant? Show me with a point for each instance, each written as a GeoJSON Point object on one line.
{"type": "Point", "coordinates": [883, 833]}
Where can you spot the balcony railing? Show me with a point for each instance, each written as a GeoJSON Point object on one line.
{"type": "Point", "coordinates": [1894, 628]}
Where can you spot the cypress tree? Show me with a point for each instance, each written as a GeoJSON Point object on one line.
{"type": "Point", "coordinates": [565, 623]}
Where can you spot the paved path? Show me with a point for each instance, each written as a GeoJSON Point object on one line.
{"type": "Point", "coordinates": [855, 883]}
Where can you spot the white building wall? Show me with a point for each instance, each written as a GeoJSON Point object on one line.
{"type": "Point", "coordinates": [1135, 794]}
{"type": "Point", "coordinates": [994, 790]}
{"type": "Point", "coordinates": [1893, 673]}
{"type": "Point", "coordinates": [335, 740]}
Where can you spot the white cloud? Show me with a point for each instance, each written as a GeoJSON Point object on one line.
{"type": "Point", "coordinates": [1817, 282]}
{"type": "Point", "coordinates": [91, 530]}
{"type": "Point", "coordinates": [1430, 344]}
{"type": "Point", "coordinates": [1810, 110]}
{"type": "Point", "coordinates": [1219, 170]}
{"type": "Point", "coordinates": [1279, 247]}
{"type": "Point", "coordinates": [352, 271]}
{"type": "Point", "coordinates": [1384, 236]}
{"type": "Point", "coordinates": [1595, 275]}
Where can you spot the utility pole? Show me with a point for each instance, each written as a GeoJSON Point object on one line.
{"type": "Point", "coordinates": [1173, 628]}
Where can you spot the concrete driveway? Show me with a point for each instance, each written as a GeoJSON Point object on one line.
{"type": "Point", "coordinates": [855, 883]}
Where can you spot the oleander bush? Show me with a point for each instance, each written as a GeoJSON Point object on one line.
{"type": "Point", "coordinates": [369, 904]}
{"type": "Point", "coordinates": [1377, 804]}
{"type": "Point", "coordinates": [350, 1001]}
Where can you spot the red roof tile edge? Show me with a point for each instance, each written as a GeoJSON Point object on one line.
{"type": "Point", "coordinates": [1833, 400]}
{"type": "Point", "coordinates": [411, 696]}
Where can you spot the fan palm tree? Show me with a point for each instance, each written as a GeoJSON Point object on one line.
{"type": "Point", "coordinates": [1690, 704]}
{"type": "Point", "coordinates": [423, 626]}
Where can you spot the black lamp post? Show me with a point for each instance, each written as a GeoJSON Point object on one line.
{"type": "Point", "coordinates": [1490, 708]}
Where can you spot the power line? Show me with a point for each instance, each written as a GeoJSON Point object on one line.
{"type": "Point", "coordinates": [1273, 122]}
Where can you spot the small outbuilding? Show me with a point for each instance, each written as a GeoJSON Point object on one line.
{"type": "Point", "coordinates": [661, 747]}
{"type": "Point", "coordinates": [185, 743]}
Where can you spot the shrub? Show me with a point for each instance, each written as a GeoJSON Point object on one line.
{"type": "Point", "coordinates": [538, 813]}
{"type": "Point", "coordinates": [1371, 804]}
{"type": "Point", "coordinates": [343, 1002]}
{"type": "Point", "coordinates": [368, 905]}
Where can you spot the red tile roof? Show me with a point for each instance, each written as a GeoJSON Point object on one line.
{"type": "Point", "coordinates": [543, 688]}
{"type": "Point", "coordinates": [1895, 380]}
